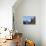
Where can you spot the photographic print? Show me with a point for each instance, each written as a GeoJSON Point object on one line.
{"type": "Point", "coordinates": [29, 20]}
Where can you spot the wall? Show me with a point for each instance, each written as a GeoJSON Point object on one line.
{"type": "Point", "coordinates": [28, 8]}
{"type": "Point", "coordinates": [43, 22]}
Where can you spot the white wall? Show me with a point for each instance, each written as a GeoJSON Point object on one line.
{"type": "Point", "coordinates": [6, 13]}
{"type": "Point", "coordinates": [29, 8]}
{"type": "Point", "coordinates": [38, 9]}
{"type": "Point", "coordinates": [43, 22]}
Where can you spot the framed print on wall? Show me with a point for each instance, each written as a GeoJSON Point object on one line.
{"type": "Point", "coordinates": [29, 20]}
